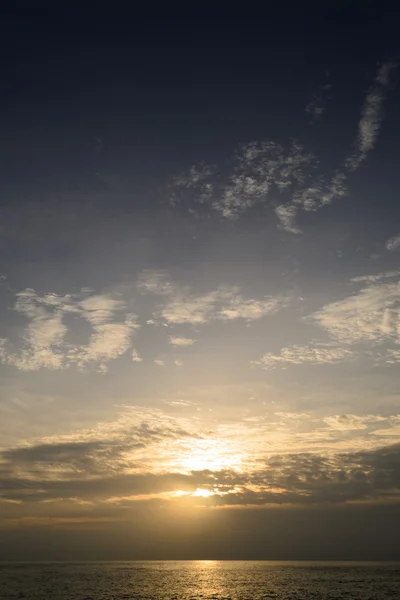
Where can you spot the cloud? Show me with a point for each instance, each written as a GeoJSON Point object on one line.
{"type": "Point", "coordinates": [257, 170]}
{"type": "Point", "coordinates": [44, 340]}
{"type": "Point", "coordinates": [286, 180]}
{"type": "Point", "coordinates": [388, 432]}
{"type": "Point", "coordinates": [136, 357]}
{"type": "Point", "coordinates": [251, 310]}
{"type": "Point", "coordinates": [311, 198]}
{"type": "Point", "coordinates": [159, 362]}
{"type": "Point", "coordinates": [371, 116]}
{"type": "Point", "coordinates": [376, 277]}
{"type": "Point", "coordinates": [196, 179]}
{"type": "Point", "coordinates": [184, 307]}
{"type": "Point", "coordinates": [63, 460]}
{"type": "Point", "coordinates": [109, 341]}
{"type": "Point", "coordinates": [130, 449]}
{"type": "Point", "coordinates": [352, 422]}
{"type": "Point", "coordinates": [261, 173]}
{"type": "Point", "coordinates": [225, 304]}
{"type": "Point", "coordinates": [393, 243]}
{"type": "Point", "coordinates": [43, 337]}
{"type": "Point", "coordinates": [369, 317]}
{"type": "Point", "coordinates": [316, 106]}
{"type": "Point", "coordinates": [297, 355]}
{"type": "Point", "coordinates": [259, 166]}
{"type": "Point", "coordinates": [321, 194]}
{"type": "Point", "coordinates": [287, 214]}
{"type": "Point", "coordinates": [339, 478]}
{"type": "Point", "coordinates": [144, 454]}
{"type": "Point", "coordinates": [178, 363]}
{"type": "Point", "coordinates": [389, 357]}
{"type": "Point", "coordinates": [372, 315]}
{"type": "Point", "coordinates": [100, 309]}
{"type": "Point", "coordinates": [155, 282]}
{"type": "Point", "coordinates": [97, 472]}
{"type": "Point", "coordinates": [181, 341]}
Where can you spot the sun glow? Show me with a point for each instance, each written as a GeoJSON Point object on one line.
{"type": "Point", "coordinates": [179, 493]}
{"type": "Point", "coordinates": [200, 492]}
{"type": "Point", "coordinates": [213, 455]}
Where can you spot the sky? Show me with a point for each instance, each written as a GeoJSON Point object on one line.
{"type": "Point", "coordinates": [200, 284]}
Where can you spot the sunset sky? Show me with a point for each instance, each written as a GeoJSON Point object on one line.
{"type": "Point", "coordinates": [200, 284]}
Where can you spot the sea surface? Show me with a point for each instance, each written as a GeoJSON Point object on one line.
{"type": "Point", "coordinates": [205, 580]}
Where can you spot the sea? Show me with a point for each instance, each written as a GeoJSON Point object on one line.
{"type": "Point", "coordinates": [205, 580]}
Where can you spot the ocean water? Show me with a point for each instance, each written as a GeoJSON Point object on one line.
{"type": "Point", "coordinates": [205, 580]}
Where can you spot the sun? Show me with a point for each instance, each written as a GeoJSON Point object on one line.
{"type": "Point", "coordinates": [200, 492]}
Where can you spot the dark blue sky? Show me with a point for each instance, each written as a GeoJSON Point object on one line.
{"type": "Point", "coordinates": [167, 90]}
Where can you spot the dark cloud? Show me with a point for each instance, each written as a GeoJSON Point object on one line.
{"type": "Point", "coordinates": [98, 471]}
{"type": "Point", "coordinates": [82, 467]}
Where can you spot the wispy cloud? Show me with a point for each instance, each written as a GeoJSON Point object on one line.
{"type": "Point", "coordinates": [136, 356]}
{"type": "Point", "coordinates": [44, 341]}
{"type": "Point", "coordinates": [184, 307]}
{"type": "Point", "coordinates": [298, 355]}
{"type": "Point", "coordinates": [226, 303]}
{"type": "Point", "coordinates": [262, 173]}
{"type": "Point", "coordinates": [259, 167]}
{"type": "Point", "coordinates": [109, 341]}
{"type": "Point", "coordinates": [391, 356]}
{"type": "Point", "coordinates": [181, 341]}
{"type": "Point", "coordinates": [371, 116]}
{"type": "Point", "coordinates": [371, 317]}
{"type": "Point", "coordinates": [156, 282]}
{"type": "Point", "coordinates": [321, 194]}
{"type": "Point", "coordinates": [44, 335]}
{"type": "Point", "coordinates": [257, 170]}
{"type": "Point", "coordinates": [222, 304]}
{"type": "Point", "coordinates": [285, 180]}
{"type": "Point", "coordinates": [352, 422]}
{"type": "Point", "coordinates": [311, 198]}
{"type": "Point", "coordinates": [376, 277]}
{"type": "Point", "coordinates": [251, 310]}
{"type": "Point", "coordinates": [197, 178]}
{"type": "Point", "coordinates": [317, 105]}
{"type": "Point", "coordinates": [287, 214]}
{"type": "Point", "coordinates": [315, 108]}
{"type": "Point", "coordinates": [393, 243]}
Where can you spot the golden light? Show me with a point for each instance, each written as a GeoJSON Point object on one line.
{"type": "Point", "coordinates": [199, 493]}
{"type": "Point", "coordinates": [179, 493]}
{"type": "Point", "coordinates": [201, 564]}
{"type": "Point", "coordinates": [202, 493]}
{"type": "Point", "coordinates": [211, 454]}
